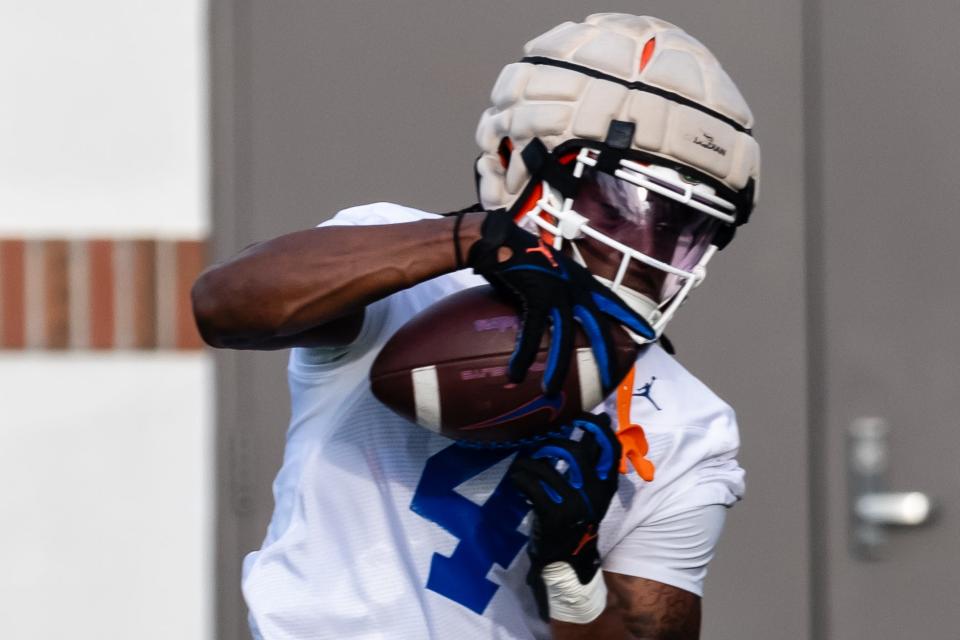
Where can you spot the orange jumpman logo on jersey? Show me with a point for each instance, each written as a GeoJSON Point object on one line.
{"type": "Point", "coordinates": [587, 537]}
{"type": "Point", "coordinates": [545, 250]}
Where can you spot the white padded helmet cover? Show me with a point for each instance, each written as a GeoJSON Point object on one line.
{"type": "Point", "coordinates": [557, 104]}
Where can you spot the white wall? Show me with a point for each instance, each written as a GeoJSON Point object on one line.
{"type": "Point", "coordinates": [106, 496]}
{"type": "Point", "coordinates": [103, 117]}
{"type": "Point", "coordinates": [106, 460]}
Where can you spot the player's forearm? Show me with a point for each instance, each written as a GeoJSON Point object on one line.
{"type": "Point", "coordinates": [297, 282]}
{"type": "Point", "coordinates": [609, 626]}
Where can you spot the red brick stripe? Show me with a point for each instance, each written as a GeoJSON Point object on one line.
{"type": "Point", "coordinates": [144, 301]}
{"type": "Point", "coordinates": [56, 295]}
{"type": "Point", "coordinates": [12, 294]}
{"type": "Point", "coordinates": [98, 294]}
{"type": "Point", "coordinates": [190, 261]}
{"type": "Point", "coordinates": [100, 255]}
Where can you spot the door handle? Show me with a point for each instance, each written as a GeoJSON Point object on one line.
{"type": "Point", "coordinates": [872, 507]}
{"type": "Point", "coordinates": [907, 509]}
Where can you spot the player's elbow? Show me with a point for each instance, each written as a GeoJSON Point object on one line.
{"type": "Point", "coordinates": [223, 313]}
{"type": "Point", "coordinates": [210, 307]}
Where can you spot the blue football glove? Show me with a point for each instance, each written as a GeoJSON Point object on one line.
{"type": "Point", "coordinates": [551, 289]}
{"type": "Point", "coordinates": [568, 504]}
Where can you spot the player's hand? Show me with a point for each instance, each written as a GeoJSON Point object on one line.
{"type": "Point", "coordinates": [570, 485]}
{"type": "Point", "coordinates": [551, 289]}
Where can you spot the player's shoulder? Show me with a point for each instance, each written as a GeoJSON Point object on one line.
{"type": "Point", "coordinates": [666, 393]}
{"type": "Point", "coordinates": [378, 213]}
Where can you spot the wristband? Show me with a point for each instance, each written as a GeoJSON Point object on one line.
{"type": "Point", "coordinates": [457, 251]}
{"type": "Point", "coordinates": [569, 599]}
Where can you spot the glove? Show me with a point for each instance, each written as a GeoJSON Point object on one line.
{"type": "Point", "coordinates": [550, 287]}
{"type": "Point", "coordinates": [568, 506]}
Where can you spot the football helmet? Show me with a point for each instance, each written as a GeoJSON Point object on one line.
{"type": "Point", "coordinates": [623, 140]}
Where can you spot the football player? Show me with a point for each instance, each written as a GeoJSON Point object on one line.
{"type": "Point", "coordinates": [617, 159]}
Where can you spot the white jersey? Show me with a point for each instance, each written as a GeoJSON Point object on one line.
{"type": "Point", "coordinates": [383, 529]}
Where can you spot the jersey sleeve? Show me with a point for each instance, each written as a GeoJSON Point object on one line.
{"type": "Point", "coordinates": [666, 530]}
{"type": "Point", "coordinates": [675, 550]}
{"type": "Point", "coordinates": [652, 531]}
{"type": "Point", "coordinates": [670, 532]}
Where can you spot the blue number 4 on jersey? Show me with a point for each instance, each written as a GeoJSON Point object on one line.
{"type": "Point", "coordinates": [487, 534]}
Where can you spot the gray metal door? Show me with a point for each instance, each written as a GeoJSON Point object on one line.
{"type": "Point", "coordinates": [889, 222]}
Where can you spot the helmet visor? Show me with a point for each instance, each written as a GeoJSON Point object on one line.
{"type": "Point", "coordinates": [652, 224]}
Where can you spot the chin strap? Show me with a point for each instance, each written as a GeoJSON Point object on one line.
{"type": "Point", "coordinates": [631, 436]}
{"type": "Point", "coordinates": [546, 166]}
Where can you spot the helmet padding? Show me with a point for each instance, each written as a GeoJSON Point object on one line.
{"type": "Point", "coordinates": [577, 78]}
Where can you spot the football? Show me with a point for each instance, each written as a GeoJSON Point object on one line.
{"type": "Point", "coordinates": [446, 370]}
